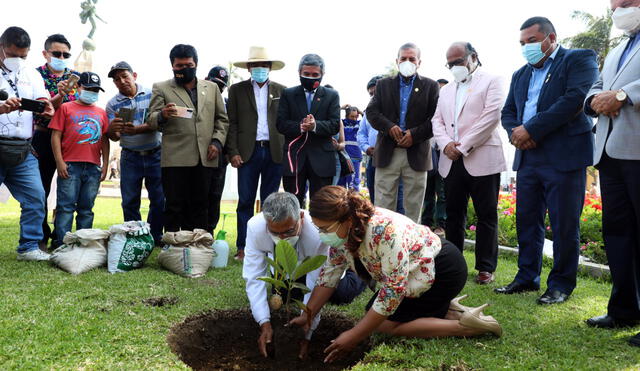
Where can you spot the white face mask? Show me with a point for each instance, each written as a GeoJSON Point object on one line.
{"type": "Point", "coordinates": [292, 240]}
{"type": "Point", "coordinates": [460, 73]}
{"type": "Point", "coordinates": [407, 69]}
{"type": "Point", "coordinates": [14, 64]}
{"type": "Point", "coordinates": [626, 19]}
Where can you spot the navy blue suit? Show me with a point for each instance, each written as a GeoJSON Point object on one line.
{"type": "Point", "coordinates": [552, 176]}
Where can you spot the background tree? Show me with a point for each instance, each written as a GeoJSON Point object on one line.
{"type": "Point", "coordinates": [597, 36]}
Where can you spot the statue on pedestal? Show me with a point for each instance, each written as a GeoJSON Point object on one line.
{"type": "Point", "coordinates": [84, 62]}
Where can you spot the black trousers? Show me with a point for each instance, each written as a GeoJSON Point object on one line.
{"type": "Point", "coordinates": [186, 191]}
{"type": "Point", "coordinates": [41, 143]}
{"type": "Point", "coordinates": [215, 193]}
{"type": "Point", "coordinates": [306, 174]}
{"type": "Point", "coordinates": [459, 186]}
{"type": "Point", "coordinates": [620, 188]}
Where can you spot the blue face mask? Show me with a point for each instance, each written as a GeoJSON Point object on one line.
{"type": "Point", "coordinates": [332, 239]}
{"type": "Point", "coordinates": [260, 74]}
{"type": "Point", "coordinates": [57, 64]}
{"type": "Point", "coordinates": [533, 52]}
{"type": "Point", "coordinates": [88, 97]}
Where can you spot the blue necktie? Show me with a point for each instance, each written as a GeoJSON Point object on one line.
{"type": "Point", "coordinates": [309, 96]}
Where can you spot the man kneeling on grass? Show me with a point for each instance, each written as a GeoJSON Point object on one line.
{"type": "Point", "coordinates": [282, 219]}
{"type": "Point", "coordinates": [78, 140]}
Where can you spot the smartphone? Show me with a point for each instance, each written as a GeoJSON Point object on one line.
{"type": "Point", "coordinates": [35, 106]}
{"type": "Point", "coordinates": [72, 81]}
{"type": "Point", "coordinates": [184, 112]}
{"type": "Point", "coordinates": [126, 114]}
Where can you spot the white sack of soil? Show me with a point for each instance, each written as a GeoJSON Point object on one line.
{"type": "Point", "coordinates": [82, 251]}
{"type": "Point", "coordinates": [187, 253]}
{"type": "Point", "coordinates": [130, 245]}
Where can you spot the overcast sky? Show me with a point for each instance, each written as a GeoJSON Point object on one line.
{"type": "Point", "coordinates": [357, 39]}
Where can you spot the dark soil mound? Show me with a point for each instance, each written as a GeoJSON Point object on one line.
{"type": "Point", "coordinates": [160, 301]}
{"type": "Point", "coordinates": [228, 340]}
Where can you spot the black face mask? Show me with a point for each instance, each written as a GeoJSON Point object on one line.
{"type": "Point", "coordinates": [310, 84]}
{"type": "Point", "coordinates": [185, 75]}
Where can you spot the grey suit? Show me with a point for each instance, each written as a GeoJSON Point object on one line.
{"type": "Point", "coordinates": [624, 141]}
{"type": "Point", "coordinates": [617, 155]}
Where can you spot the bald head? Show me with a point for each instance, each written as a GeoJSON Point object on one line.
{"type": "Point", "coordinates": [459, 53]}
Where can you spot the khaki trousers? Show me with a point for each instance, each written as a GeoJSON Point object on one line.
{"type": "Point", "coordinates": [414, 183]}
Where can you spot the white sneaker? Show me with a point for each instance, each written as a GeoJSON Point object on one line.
{"type": "Point", "coordinates": [34, 255]}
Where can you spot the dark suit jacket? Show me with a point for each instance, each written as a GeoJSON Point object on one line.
{"type": "Point", "coordinates": [318, 148]}
{"type": "Point", "coordinates": [243, 120]}
{"type": "Point", "coordinates": [383, 113]}
{"type": "Point", "coordinates": [561, 129]}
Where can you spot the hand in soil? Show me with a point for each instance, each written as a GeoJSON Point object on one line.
{"type": "Point", "coordinates": [302, 321]}
{"type": "Point", "coordinates": [341, 346]}
{"type": "Point", "coordinates": [266, 336]}
{"type": "Point", "coordinates": [304, 349]}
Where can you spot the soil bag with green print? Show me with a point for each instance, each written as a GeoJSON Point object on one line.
{"type": "Point", "coordinates": [129, 246]}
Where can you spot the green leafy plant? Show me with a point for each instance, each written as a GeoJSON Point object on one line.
{"type": "Point", "coordinates": [286, 272]}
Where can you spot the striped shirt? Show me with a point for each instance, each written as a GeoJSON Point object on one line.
{"type": "Point", "coordinates": [140, 104]}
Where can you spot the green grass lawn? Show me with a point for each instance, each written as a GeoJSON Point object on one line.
{"type": "Point", "coordinates": [50, 319]}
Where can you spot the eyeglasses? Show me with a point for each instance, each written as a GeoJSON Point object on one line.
{"type": "Point", "coordinates": [58, 54]}
{"type": "Point", "coordinates": [326, 229]}
{"type": "Point", "coordinates": [288, 233]}
{"type": "Point", "coordinates": [457, 62]}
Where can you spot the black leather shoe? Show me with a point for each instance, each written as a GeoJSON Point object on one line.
{"type": "Point", "coordinates": [606, 321]}
{"type": "Point", "coordinates": [553, 297]}
{"type": "Point", "coordinates": [635, 340]}
{"type": "Point", "coordinates": [516, 287]}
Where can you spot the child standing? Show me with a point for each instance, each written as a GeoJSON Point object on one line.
{"type": "Point", "coordinates": [78, 142]}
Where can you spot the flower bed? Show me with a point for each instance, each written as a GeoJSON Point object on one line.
{"type": "Point", "coordinates": [591, 244]}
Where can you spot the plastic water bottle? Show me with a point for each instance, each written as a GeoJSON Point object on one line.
{"type": "Point", "coordinates": [221, 247]}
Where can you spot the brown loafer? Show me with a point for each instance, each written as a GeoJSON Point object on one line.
{"type": "Point", "coordinates": [484, 278]}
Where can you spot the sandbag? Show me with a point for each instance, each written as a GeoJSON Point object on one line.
{"type": "Point", "coordinates": [130, 244]}
{"type": "Point", "coordinates": [187, 253]}
{"type": "Point", "coordinates": [81, 251]}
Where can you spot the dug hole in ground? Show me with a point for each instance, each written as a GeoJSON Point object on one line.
{"type": "Point", "coordinates": [228, 340]}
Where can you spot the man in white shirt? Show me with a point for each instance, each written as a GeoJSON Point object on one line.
{"type": "Point", "coordinates": [18, 167]}
{"type": "Point", "coordinates": [254, 145]}
{"type": "Point", "coordinates": [282, 219]}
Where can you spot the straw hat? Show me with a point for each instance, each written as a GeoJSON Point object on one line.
{"type": "Point", "coordinates": [259, 54]}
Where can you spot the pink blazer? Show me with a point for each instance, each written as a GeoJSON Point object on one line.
{"type": "Point", "coordinates": [477, 125]}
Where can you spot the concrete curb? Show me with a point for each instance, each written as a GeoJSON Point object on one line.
{"type": "Point", "coordinates": [598, 271]}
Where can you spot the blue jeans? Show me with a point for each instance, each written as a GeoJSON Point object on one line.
{"type": "Point", "coordinates": [260, 166]}
{"type": "Point", "coordinates": [76, 194]}
{"type": "Point", "coordinates": [371, 181]}
{"type": "Point", "coordinates": [25, 186]}
{"type": "Point", "coordinates": [135, 167]}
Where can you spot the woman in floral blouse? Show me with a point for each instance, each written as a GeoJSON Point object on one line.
{"type": "Point", "coordinates": [419, 273]}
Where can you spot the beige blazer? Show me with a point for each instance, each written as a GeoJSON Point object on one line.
{"type": "Point", "coordinates": [186, 141]}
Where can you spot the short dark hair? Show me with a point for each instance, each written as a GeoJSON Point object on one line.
{"type": "Point", "coordinates": [374, 81]}
{"type": "Point", "coordinates": [15, 36]}
{"type": "Point", "coordinates": [443, 81]}
{"type": "Point", "coordinates": [183, 51]}
{"type": "Point", "coordinates": [56, 38]}
{"type": "Point", "coordinates": [544, 25]}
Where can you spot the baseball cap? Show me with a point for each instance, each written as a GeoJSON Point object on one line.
{"type": "Point", "coordinates": [219, 73]}
{"type": "Point", "coordinates": [90, 80]}
{"type": "Point", "coordinates": [120, 66]}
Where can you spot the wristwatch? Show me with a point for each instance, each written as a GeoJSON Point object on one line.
{"type": "Point", "coordinates": [621, 96]}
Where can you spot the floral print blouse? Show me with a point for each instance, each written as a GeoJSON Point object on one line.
{"type": "Point", "coordinates": [51, 84]}
{"type": "Point", "coordinates": [396, 252]}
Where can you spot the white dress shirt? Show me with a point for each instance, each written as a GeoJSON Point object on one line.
{"type": "Point", "coordinates": [30, 85]}
{"type": "Point", "coordinates": [461, 96]}
{"type": "Point", "coordinates": [259, 244]}
{"type": "Point", "coordinates": [262, 104]}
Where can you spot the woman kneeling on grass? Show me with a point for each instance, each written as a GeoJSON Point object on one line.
{"type": "Point", "coordinates": [420, 273]}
